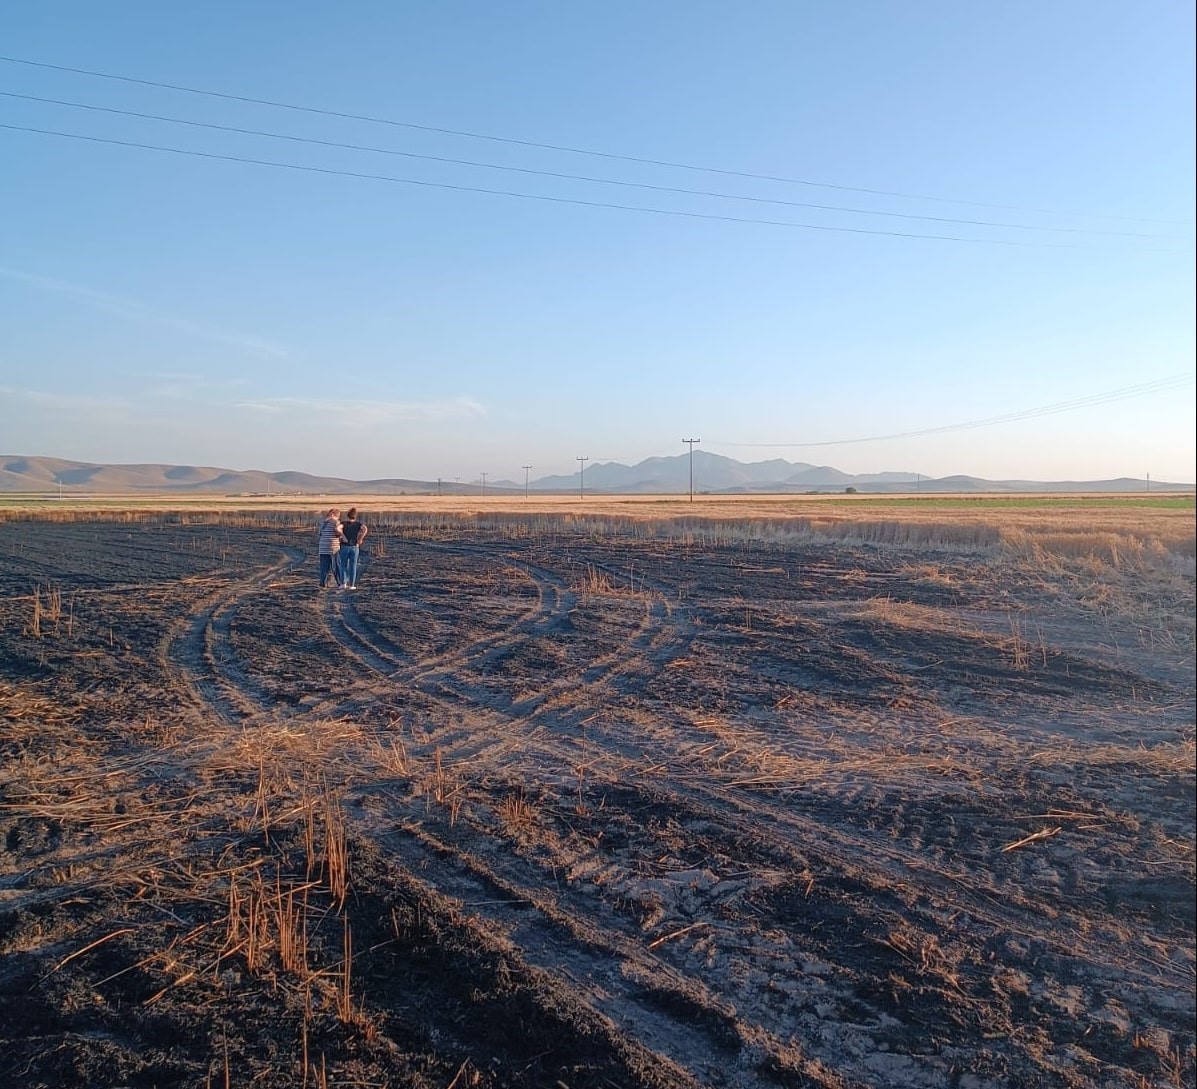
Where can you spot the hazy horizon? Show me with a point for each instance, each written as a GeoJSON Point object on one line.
{"type": "Point", "coordinates": [709, 476]}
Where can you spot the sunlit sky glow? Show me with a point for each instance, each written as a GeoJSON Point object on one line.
{"type": "Point", "coordinates": [376, 311]}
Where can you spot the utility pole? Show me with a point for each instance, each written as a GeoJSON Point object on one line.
{"type": "Point", "coordinates": [691, 443]}
{"type": "Point", "coordinates": [525, 468]}
{"type": "Point", "coordinates": [438, 485]}
{"type": "Point", "coordinates": [483, 483]}
{"type": "Point", "coordinates": [581, 475]}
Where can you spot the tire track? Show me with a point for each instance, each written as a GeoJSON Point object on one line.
{"type": "Point", "coordinates": [563, 930]}
{"type": "Point", "coordinates": [554, 600]}
{"type": "Point", "coordinates": [585, 893]}
{"type": "Point", "coordinates": [607, 969]}
{"type": "Point", "coordinates": [746, 813]}
{"type": "Point", "coordinates": [622, 753]}
{"type": "Point", "coordinates": [360, 640]}
{"type": "Point", "coordinates": [353, 633]}
{"type": "Point", "coordinates": [660, 637]}
{"type": "Point", "coordinates": [199, 653]}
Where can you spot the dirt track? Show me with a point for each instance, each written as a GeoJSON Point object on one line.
{"type": "Point", "coordinates": [586, 810]}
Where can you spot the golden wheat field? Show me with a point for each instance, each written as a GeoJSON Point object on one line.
{"type": "Point", "coordinates": [591, 792]}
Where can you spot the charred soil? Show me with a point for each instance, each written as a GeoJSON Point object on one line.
{"type": "Point", "coordinates": [588, 810]}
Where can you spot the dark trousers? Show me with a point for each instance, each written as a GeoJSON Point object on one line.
{"type": "Point", "coordinates": [330, 564]}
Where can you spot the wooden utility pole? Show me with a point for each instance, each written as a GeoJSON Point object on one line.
{"type": "Point", "coordinates": [691, 443]}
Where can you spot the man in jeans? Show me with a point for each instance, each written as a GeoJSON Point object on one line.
{"type": "Point", "coordinates": [355, 531]}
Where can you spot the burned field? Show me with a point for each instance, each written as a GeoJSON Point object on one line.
{"type": "Point", "coordinates": [581, 808]}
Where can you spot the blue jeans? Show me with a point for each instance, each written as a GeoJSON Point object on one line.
{"type": "Point", "coordinates": [330, 564]}
{"type": "Point", "coordinates": [349, 554]}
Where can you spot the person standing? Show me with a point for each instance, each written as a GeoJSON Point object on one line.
{"type": "Point", "coordinates": [355, 531]}
{"type": "Point", "coordinates": [331, 536]}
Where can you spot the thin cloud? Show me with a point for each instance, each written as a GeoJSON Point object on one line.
{"type": "Point", "coordinates": [187, 387]}
{"type": "Point", "coordinates": [73, 403]}
{"type": "Point", "coordinates": [366, 413]}
{"type": "Point", "coordinates": [176, 376]}
{"type": "Point", "coordinates": [334, 414]}
{"type": "Point", "coordinates": [139, 312]}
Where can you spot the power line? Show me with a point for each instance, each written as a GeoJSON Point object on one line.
{"type": "Point", "coordinates": [274, 164]}
{"type": "Point", "coordinates": [552, 147]}
{"type": "Point", "coordinates": [1160, 385]}
{"type": "Point", "coordinates": [561, 176]}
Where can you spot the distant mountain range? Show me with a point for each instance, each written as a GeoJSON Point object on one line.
{"type": "Point", "coordinates": [713, 474]}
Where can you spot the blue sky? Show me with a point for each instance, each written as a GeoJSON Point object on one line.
{"type": "Point", "coordinates": [157, 306]}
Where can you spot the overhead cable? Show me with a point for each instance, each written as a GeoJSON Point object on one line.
{"type": "Point", "coordinates": [328, 171]}
{"type": "Point", "coordinates": [1159, 385]}
{"type": "Point", "coordinates": [343, 115]}
{"type": "Point", "coordinates": [568, 177]}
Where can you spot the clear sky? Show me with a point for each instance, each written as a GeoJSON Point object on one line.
{"type": "Point", "coordinates": [375, 314]}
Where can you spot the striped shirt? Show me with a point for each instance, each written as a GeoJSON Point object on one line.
{"type": "Point", "coordinates": [330, 542]}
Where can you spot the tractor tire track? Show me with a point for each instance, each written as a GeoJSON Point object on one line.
{"type": "Point", "coordinates": [362, 642]}
{"type": "Point", "coordinates": [353, 633]}
{"type": "Point", "coordinates": [559, 712]}
{"type": "Point", "coordinates": [199, 652]}
{"type": "Point", "coordinates": [553, 602]}
{"type": "Point", "coordinates": [564, 931]}
{"type": "Point", "coordinates": [497, 720]}
{"type": "Point", "coordinates": [608, 969]}
{"type": "Point", "coordinates": [749, 813]}
{"type": "Point", "coordinates": [711, 874]}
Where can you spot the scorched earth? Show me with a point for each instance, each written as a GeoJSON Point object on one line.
{"type": "Point", "coordinates": [582, 807]}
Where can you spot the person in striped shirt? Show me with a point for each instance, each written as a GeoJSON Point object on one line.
{"type": "Point", "coordinates": [330, 539]}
